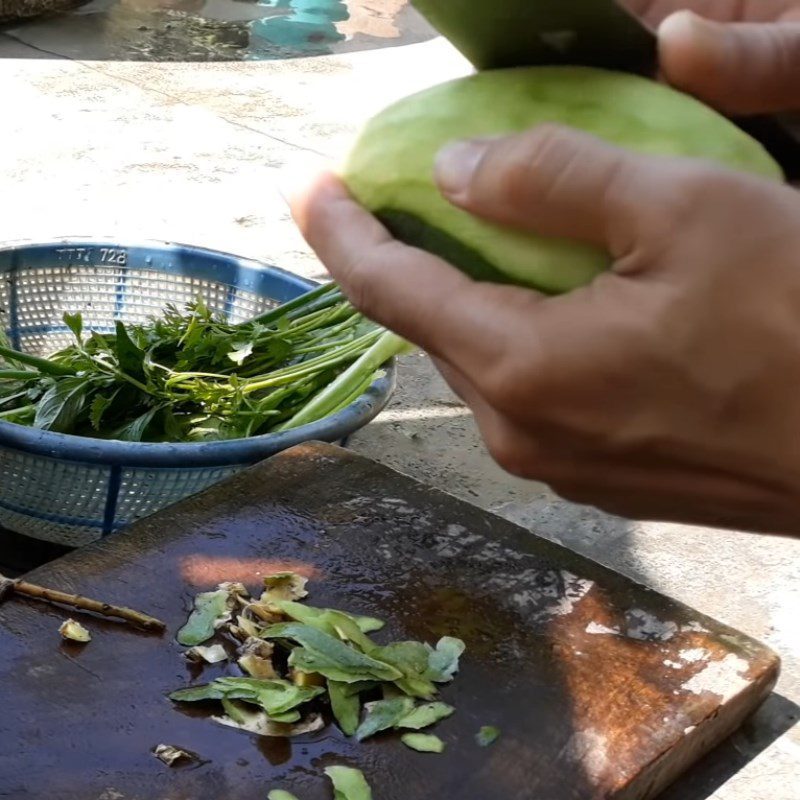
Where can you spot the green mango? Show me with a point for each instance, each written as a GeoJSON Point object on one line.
{"type": "Point", "coordinates": [390, 168]}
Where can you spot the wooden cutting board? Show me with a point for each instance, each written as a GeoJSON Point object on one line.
{"type": "Point", "coordinates": [601, 687]}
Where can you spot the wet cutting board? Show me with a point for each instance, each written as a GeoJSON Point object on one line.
{"type": "Point", "coordinates": [602, 688]}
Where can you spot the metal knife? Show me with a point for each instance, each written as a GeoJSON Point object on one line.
{"type": "Point", "coordinates": [598, 33]}
{"type": "Point", "coordinates": [513, 33]}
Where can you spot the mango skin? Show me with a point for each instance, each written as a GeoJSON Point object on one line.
{"type": "Point", "coordinates": [390, 168]}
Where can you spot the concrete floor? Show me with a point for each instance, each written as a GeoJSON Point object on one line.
{"type": "Point", "coordinates": [192, 152]}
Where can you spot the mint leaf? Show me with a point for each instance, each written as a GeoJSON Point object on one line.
{"type": "Point", "coordinates": [278, 698]}
{"type": "Point", "coordinates": [370, 624]}
{"type": "Point", "coordinates": [211, 609]}
{"type": "Point", "coordinates": [349, 784]}
{"type": "Point", "coordinates": [311, 663]}
{"type": "Point", "coordinates": [329, 651]}
{"type": "Point", "coordinates": [334, 623]}
{"type": "Point", "coordinates": [383, 715]}
{"type": "Point", "coordinates": [198, 694]}
{"type": "Point", "coordinates": [412, 660]}
{"type": "Point", "coordinates": [284, 586]}
{"type": "Point", "coordinates": [443, 662]}
{"type": "Point", "coordinates": [487, 735]}
{"type": "Point", "coordinates": [423, 743]}
{"type": "Point", "coordinates": [426, 715]}
{"type": "Point", "coordinates": [346, 706]}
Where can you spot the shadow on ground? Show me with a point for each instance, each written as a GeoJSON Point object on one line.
{"type": "Point", "coordinates": [775, 718]}
{"type": "Point", "coordinates": [219, 30]}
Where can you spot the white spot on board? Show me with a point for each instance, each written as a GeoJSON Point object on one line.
{"type": "Point", "coordinates": [693, 627]}
{"type": "Point", "coordinates": [694, 654]}
{"type": "Point", "coordinates": [596, 629]}
{"type": "Point", "coordinates": [725, 678]}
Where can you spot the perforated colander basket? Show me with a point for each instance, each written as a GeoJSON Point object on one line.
{"type": "Point", "coordinates": [73, 490]}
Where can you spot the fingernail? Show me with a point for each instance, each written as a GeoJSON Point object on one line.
{"type": "Point", "coordinates": [690, 26]}
{"type": "Point", "coordinates": [679, 21]}
{"type": "Point", "coordinates": [457, 164]}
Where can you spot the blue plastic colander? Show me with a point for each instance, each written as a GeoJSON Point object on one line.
{"type": "Point", "coordinates": [73, 490]}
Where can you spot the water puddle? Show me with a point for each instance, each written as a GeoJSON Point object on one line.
{"type": "Point", "coordinates": [224, 30]}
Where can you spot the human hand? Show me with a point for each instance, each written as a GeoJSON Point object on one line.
{"type": "Point", "coordinates": [740, 57]}
{"type": "Point", "coordinates": [669, 388]}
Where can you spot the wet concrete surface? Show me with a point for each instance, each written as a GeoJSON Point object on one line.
{"type": "Point", "coordinates": [224, 30]}
{"type": "Point", "coordinates": [195, 152]}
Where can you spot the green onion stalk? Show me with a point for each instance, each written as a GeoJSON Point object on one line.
{"type": "Point", "coordinates": [352, 383]}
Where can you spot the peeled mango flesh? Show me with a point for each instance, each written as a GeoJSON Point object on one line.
{"type": "Point", "coordinates": [390, 169]}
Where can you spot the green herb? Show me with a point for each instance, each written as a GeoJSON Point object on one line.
{"type": "Point", "coordinates": [191, 375]}
{"type": "Point", "coordinates": [346, 706]}
{"type": "Point", "coordinates": [411, 659]}
{"type": "Point", "coordinates": [348, 784]}
{"type": "Point", "coordinates": [309, 663]}
{"type": "Point", "coordinates": [328, 652]}
{"type": "Point", "coordinates": [334, 623]}
{"type": "Point", "coordinates": [426, 715]}
{"type": "Point", "coordinates": [276, 697]}
{"type": "Point", "coordinates": [331, 661]}
{"type": "Point", "coordinates": [443, 662]}
{"type": "Point", "coordinates": [198, 694]}
{"type": "Point", "coordinates": [61, 404]}
{"type": "Point", "coordinates": [259, 723]}
{"type": "Point", "coordinates": [423, 743]}
{"type": "Point", "coordinates": [383, 715]}
{"type": "Point", "coordinates": [370, 624]}
{"type": "Point", "coordinates": [280, 794]}
{"type": "Point", "coordinates": [211, 609]}
{"type": "Point", "coordinates": [235, 710]}
{"type": "Point", "coordinates": [340, 393]}
{"type": "Point", "coordinates": [487, 735]}
{"type": "Point", "coordinates": [284, 586]}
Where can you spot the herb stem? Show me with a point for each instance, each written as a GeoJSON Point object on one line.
{"type": "Point", "coordinates": [18, 375]}
{"type": "Point", "coordinates": [274, 314]}
{"type": "Point", "coordinates": [333, 397]}
{"type": "Point", "coordinates": [305, 368]}
{"type": "Point", "coordinates": [42, 364]}
{"type": "Point", "coordinates": [84, 603]}
{"type": "Point", "coordinates": [21, 411]}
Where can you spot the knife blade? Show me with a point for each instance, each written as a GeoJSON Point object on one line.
{"type": "Point", "coordinates": [493, 34]}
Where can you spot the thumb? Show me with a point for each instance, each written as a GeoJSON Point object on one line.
{"type": "Point", "coordinates": [739, 68]}
{"type": "Point", "coordinates": [556, 182]}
